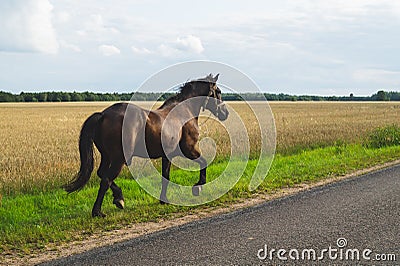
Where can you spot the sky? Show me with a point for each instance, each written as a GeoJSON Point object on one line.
{"type": "Point", "coordinates": [330, 47]}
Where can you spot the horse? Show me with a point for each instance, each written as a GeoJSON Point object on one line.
{"type": "Point", "coordinates": [118, 138]}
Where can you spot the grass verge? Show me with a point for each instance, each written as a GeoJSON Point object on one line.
{"type": "Point", "coordinates": [30, 221]}
{"type": "Point", "coordinates": [384, 136]}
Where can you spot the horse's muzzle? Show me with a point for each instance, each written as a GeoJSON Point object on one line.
{"type": "Point", "coordinates": [222, 111]}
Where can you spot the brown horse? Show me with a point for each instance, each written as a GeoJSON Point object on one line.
{"type": "Point", "coordinates": [124, 130]}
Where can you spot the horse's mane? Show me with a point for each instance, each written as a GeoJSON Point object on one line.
{"type": "Point", "coordinates": [183, 92]}
{"type": "Point", "coordinates": [186, 90]}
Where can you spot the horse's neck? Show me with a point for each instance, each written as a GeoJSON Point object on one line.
{"type": "Point", "coordinates": [193, 106]}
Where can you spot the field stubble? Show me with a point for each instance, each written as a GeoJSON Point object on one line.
{"type": "Point", "coordinates": [39, 141]}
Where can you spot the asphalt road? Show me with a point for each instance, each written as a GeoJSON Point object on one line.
{"type": "Point", "coordinates": [363, 213]}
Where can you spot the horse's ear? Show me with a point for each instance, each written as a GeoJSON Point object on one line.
{"type": "Point", "coordinates": [216, 77]}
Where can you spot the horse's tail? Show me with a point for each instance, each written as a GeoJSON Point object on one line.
{"type": "Point", "coordinates": [86, 139]}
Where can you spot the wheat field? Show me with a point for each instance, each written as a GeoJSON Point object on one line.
{"type": "Point", "coordinates": [39, 141]}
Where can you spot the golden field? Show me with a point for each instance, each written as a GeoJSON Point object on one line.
{"type": "Point", "coordinates": [39, 141]}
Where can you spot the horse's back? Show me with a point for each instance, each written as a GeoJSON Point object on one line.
{"type": "Point", "coordinates": [118, 111]}
{"type": "Point", "coordinates": [119, 126]}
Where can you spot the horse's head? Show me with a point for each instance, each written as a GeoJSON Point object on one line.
{"type": "Point", "coordinates": [214, 102]}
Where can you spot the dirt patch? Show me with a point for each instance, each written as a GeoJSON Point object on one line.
{"type": "Point", "coordinates": [54, 251]}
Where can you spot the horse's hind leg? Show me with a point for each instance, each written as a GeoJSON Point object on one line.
{"type": "Point", "coordinates": [104, 166]}
{"type": "Point", "coordinates": [117, 192]}
{"type": "Point", "coordinates": [107, 179]}
{"type": "Point", "coordinates": [104, 185]}
{"type": "Point", "coordinates": [102, 173]}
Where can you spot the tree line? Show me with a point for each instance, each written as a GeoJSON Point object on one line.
{"type": "Point", "coordinates": [140, 96]}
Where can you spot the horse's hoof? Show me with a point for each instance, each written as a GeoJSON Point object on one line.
{"type": "Point", "coordinates": [119, 203]}
{"type": "Point", "coordinates": [196, 190]}
{"type": "Point", "coordinates": [164, 201]}
{"type": "Point", "coordinates": [98, 214]}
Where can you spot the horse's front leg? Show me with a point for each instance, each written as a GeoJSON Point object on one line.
{"type": "Point", "coordinates": [117, 194]}
{"type": "Point", "coordinates": [196, 189]}
{"type": "Point", "coordinates": [166, 167]}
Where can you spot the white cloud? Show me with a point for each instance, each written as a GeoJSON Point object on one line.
{"type": "Point", "coordinates": [140, 51]}
{"type": "Point", "coordinates": [108, 50]}
{"type": "Point", "coordinates": [167, 51]}
{"type": "Point", "coordinates": [182, 46]}
{"type": "Point", "coordinates": [189, 43]}
{"type": "Point", "coordinates": [25, 26]}
{"type": "Point", "coordinates": [96, 25]}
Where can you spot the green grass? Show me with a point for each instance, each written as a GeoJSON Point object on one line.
{"type": "Point", "coordinates": [384, 136]}
{"type": "Point", "coordinates": [30, 221]}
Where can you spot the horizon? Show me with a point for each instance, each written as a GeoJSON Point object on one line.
{"type": "Point", "coordinates": [226, 93]}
